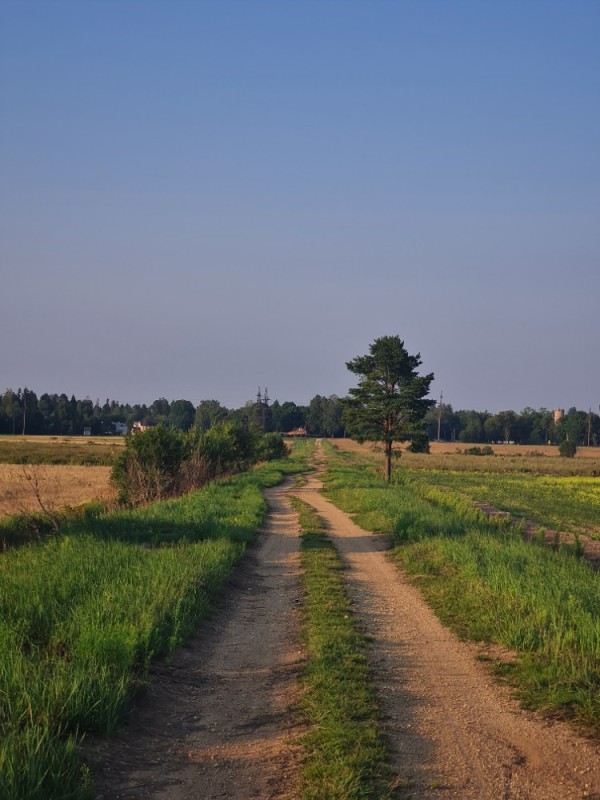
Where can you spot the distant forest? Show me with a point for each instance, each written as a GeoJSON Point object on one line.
{"type": "Point", "coordinates": [23, 412]}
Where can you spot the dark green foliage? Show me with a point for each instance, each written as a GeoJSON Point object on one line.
{"type": "Point", "coordinates": [419, 442]}
{"type": "Point", "coordinates": [271, 447]}
{"type": "Point", "coordinates": [182, 414]}
{"type": "Point", "coordinates": [567, 449]}
{"type": "Point", "coordinates": [149, 467]}
{"type": "Point", "coordinates": [162, 461]}
{"type": "Point", "coordinates": [389, 404]}
{"type": "Point", "coordinates": [209, 413]}
{"type": "Point", "coordinates": [478, 451]}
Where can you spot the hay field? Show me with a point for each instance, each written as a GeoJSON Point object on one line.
{"type": "Point", "coordinates": [57, 486]}
{"type": "Point", "coordinates": [540, 460]}
{"type": "Point", "coordinates": [85, 450]}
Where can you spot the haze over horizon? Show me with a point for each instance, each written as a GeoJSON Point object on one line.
{"type": "Point", "coordinates": [197, 199]}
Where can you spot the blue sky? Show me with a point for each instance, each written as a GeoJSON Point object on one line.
{"type": "Point", "coordinates": [198, 198]}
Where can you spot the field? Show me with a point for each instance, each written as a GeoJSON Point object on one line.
{"type": "Point", "coordinates": [557, 493]}
{"type": "Point", "coordinates": [74, 450]}
{"type": "Point", "coordinates": [485, 580]}
{"type": "Point", "coordinates": [26, 488]}
{"type": "Point", "coordinates": [506, 458]}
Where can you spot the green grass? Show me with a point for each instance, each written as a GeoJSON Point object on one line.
{"type": "Point", "coordinates": [346, 757]}
{"type": "Point", "coordinates": [562, 503]}
{"type": "Point", "coordinates": [490, 585]}
{"type": "Point", "coordinates": [83, 614]}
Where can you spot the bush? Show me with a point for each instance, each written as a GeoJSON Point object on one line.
{"type": "Point", "coordinates": [271, 447]}
{"type": "Point", "coordinates": [162, 462]}
{"type": "Point", "coordinates": [567, 449]}
{"type": "Point", "coordinates": [149, 467]}
{"type": "Point", "coordinates": [479, 451]}
{"type": "Point", "coordinates": [419, 443]}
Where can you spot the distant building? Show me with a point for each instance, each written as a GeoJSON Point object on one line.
{"type": "Point", "coordinates": [558, 414]}
{"type": "Point", "coordinates": [297, 432]}
{"type": "Point", "coordinates": [87, 431]}
{"type": "Point", "coordinates": [121, 428]}
{"type": "Point", "coordinates": [140, 426]}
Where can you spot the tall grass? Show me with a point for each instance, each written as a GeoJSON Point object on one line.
{"type": "Point", "coordinates": [490, 585]}
{"type": "Point", "coordinates": [83, 614]}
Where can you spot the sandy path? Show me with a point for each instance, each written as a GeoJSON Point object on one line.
{"type": "Point", "coordinates": [216, 722]}
{"type": "Point", "coordinates": [454, 732]}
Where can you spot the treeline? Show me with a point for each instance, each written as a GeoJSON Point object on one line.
{"type": "Point", "coordinates": [530, 426]}
{"type": "Point", "coordinates": [23, 412]}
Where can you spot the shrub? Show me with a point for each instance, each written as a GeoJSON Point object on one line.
{"type": "Point", "coordinates": [271, 447]}
{"type": "Point", "coordinates": [567, 449]}
{"type": "Point", "coordinates": [479, 451]}
{"type": "Point", "coordinates": [419, 443]}
{"type": "Point", "coordinates": [149, 467]}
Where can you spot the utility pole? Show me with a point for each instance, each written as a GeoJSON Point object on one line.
{"type": "Point", "coordinates": [264, 410]}
{"type": "Point", "coordinates": [440, 417]}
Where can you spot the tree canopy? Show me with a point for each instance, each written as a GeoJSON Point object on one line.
{"type": "Point", "coordinates": [389, 404]}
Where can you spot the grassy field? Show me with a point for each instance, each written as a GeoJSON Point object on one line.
{"type": "Point", "coordinates": [562, 503]}
{"type": "Point", "coordinates": [558, 493]}
{"type": "Point", "coordinates": [346, 757]}
{"type": "Point", "coordinates": [542, 607]}
{"type": "Point", "coordinates": [74, 450]}
{"type": "Point", "coordinates": [507, 458]}
{"type": "Point", "coordinates": [83, 614]}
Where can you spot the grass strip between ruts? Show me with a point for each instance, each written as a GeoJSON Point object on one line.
{"type": "Point", "coordinates": [346, 756]}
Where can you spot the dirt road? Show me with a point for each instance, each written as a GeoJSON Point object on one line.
{"type": "Point", "coordinates": [217, 722]}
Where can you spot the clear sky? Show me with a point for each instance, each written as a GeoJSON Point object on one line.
{"type": "Point", "coordinates": [198, 198]}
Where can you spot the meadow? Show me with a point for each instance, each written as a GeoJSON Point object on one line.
{"type": "Point", "coordinates": [541, 607]}
{"type": "Point", "coordinates": [554, 492]}
{"type": "Point", "coordinates": [99, 451]}
{"type": "Point", "coordinates": [459, 457]}
{"type": "Point", "coordinates": [84, 613]}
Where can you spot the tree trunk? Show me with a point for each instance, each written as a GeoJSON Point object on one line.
{"type": "Point", "coordinates": [388, 461]}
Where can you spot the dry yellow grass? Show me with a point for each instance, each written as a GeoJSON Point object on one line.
{"type": "Point", "coordinates": [22, 487]}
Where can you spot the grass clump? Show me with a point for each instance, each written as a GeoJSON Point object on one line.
{"type": "Point", "coordinates": [346, 756]}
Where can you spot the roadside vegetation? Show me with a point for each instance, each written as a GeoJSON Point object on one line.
{"type": "Point", "coordinates": [346, 757]}
{"type": "Point", "coordinates": [83, 614]}
{"type": "Point", "coordinates": [541, 606]}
